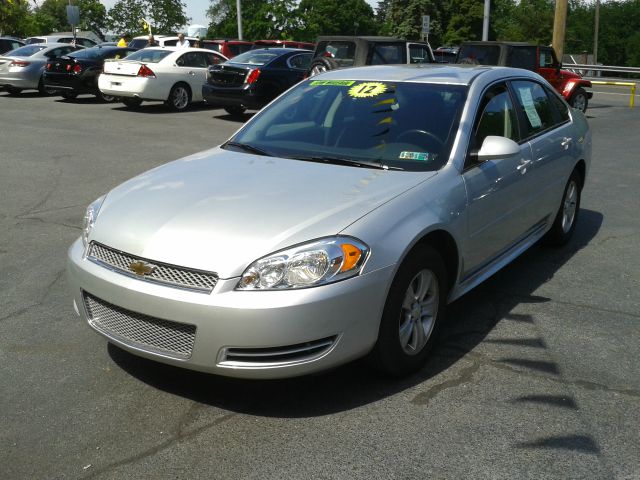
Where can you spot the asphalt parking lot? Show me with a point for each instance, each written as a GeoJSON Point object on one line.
{"type": "Point", "coordinates": [536, 376]}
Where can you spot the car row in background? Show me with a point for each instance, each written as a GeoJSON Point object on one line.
{"type": "Point", "coordinates": [77, 73]}
{"type": "Point", "coordinates": [254, 78]}
{"type": "Point", "coordinates": [168, 74]}
{"type": "Point", "coordinates": [61, 38]}
{"type": "Point", "coordinates": [23, 68]}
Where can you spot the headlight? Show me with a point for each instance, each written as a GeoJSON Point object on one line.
{"type": "Point", "coordinates": [315, 263]}
{"type": "Point", "coordinates": [90, 219]}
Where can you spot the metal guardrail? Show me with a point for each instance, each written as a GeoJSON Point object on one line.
{"type": "Point", "coordinates": [584, 69]}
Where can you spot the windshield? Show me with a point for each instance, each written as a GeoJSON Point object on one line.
{"type": "Point", "coordinates": [410, 126]}
{"type": "Point", "coordinates": [255, 57]}
{"type": "Point", "coordinates": [27, 50]}
{"type": "Point", "coordinates": [149, 55]}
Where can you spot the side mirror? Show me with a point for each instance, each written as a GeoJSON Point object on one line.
{"type": "Point", "coordinates": [495, 148]}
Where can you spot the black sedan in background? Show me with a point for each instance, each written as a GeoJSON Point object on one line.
{"type": "Point", "coordinates": [78, 72]}
{"type": "Point", "coordinates": [254, 78]}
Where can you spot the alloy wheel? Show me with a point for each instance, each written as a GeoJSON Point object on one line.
{"type": "Point", "coordinates": [419, 311]}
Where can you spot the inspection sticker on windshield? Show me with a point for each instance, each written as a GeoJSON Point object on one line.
{"type": "Point", "coordinates": [367, 89]}
{"type": "Point", "coordinates": [421, 156]}
{"type": "Point", "coordinates": [339, 83]}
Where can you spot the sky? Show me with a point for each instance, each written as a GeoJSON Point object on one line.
{"type": "Point", "coordinates": [196, 9]}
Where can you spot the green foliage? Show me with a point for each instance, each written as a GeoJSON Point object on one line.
{"type": "Point", "coordinates": [51, 16]}
{"type": "Point", "coordinates": [270, 19]}
{"type": "Point", "coordinates": [524, 21]}
{"type": "Point", "coordinates": [165, 16]}
{"type": "Point", "coordinates": [465, 21]}
{"type": "Point", "coordinates": [404, 19]}
{"type": "Point", "coordinates": [336, 17]}
{"type": "Point", "coordinates": [16, 18]}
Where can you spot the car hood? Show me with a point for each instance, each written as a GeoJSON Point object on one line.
{"type": "Point", "coordinates": [220, 210]}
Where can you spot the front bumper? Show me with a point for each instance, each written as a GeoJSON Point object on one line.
{"type": "Point", "coordinates": [247, 334]}
{"type": "Point", "coordinates": [244, 96]}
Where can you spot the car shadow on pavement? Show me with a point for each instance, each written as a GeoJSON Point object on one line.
{"type": "Point", "coordinates": [470, 319]}
{"type": "Point", "coordinates": [235, 118]}
{"type": "Point", "coordinates": [159, 108]}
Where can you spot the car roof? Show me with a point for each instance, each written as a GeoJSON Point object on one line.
{"type": "Point", "coordinates": [324, 38]}
{"type": "Point", "coordinates": [422, 73]}
{"type": "Point", "coordinates": [281, 50]}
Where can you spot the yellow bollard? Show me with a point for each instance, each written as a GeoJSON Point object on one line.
{"type": "Point", "coordinates": [633, 96]}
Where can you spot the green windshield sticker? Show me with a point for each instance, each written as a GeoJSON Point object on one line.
{"type": "Point", "coordinates": [421, 156]}
{"type": "Point", "coordinates": [337, 83]}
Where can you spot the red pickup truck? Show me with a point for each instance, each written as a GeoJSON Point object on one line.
{"type": "Point", "coordinates": [531, 57]}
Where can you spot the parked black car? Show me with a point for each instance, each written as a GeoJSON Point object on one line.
{"type": "Point", "coordinates": [9, 43]}
{"type": "Point", "coordinates": [254, 78]}
{"type": "Point", "coordinates": [78, 72]}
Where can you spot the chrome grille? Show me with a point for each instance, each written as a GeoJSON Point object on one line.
{"type": "Point", "coordinates": [162, 273]}
{"type": "Point", "coordinates": [141, 331]}
{"type": "Point", "coordinates": [273, 356]}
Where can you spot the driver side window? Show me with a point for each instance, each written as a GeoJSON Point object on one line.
{"type": "Point", "coordinates": [497, 116]}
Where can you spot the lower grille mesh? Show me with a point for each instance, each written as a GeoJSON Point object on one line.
{"type": "Point", "coordinates": [141, 331]}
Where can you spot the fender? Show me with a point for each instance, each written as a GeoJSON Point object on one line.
{"type": "Point", "coordinates": [572, 84]}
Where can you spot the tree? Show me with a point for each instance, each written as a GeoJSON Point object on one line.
{"type": "Point", "coordinates": [165, 16]}
{"type": "Point", "coordinates": [405, 18]}
{"type": "Point", "coordinates": [336, 17]}
{"type": "Point", "coordinates": [525, 21]}
{"type": "Point", "coordinates": [272, 19]}
{"type": "Point", "coordinates": [16, 18]}
{"type": "Point", "coordinates": [465, 21]}
{"type": "Point", "coordinates": [51, 16]}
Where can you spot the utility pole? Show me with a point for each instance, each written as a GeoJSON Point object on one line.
{"type": "Point", "coordinates": [239, 11]}
{"type": "Point", "coordinates": [595, 33]}
{"type": "Point", "coordinates": [485, 20]}
{"type": "Point", "coordinates": [559, 25]}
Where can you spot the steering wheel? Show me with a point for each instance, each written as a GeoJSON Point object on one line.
{"type": "Point", "coordinates": [421, 132]}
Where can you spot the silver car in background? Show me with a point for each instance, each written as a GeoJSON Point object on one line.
{"type": "Point", "coordinates": [23, 68]}
{"type": "Point", "coordinates": [337, 223]}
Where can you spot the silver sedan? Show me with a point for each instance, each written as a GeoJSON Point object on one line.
{"type": "Point", "coordinates": [23, 68]}
{"type": "Point", "coordinates": [337, 223]}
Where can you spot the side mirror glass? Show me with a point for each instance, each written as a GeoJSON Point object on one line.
{"type": "Point", "coordinates": [495, 148]}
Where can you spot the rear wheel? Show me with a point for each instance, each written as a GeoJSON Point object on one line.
{"type": "Point", "coordinates": [44, 90]}
{"type": "Point", "coordinates": [235, 110]}
{"type": "Point", "coordinates": [579, 99]}
{"type": "Point", "coordinates": [565, 222]}
{"type": "Point", "coordinates": [179, 98]}
{"type": "Point", "coordinates": [131, 102]}
{"type": "Point", "coordinates": [412, 313]}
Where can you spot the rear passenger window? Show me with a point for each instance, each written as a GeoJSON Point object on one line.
{"type": "Point", "coordinates": [535, 106]}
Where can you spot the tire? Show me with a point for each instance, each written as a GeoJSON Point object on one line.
{"type": "Point", "coordinates": [418, 292]}
{"type": "Point", "coordinates": [321, 65]}
{"type": "Point", "coordinates": [579, 99]}
{"type": "Point", "coordinates": [69, 95]}
{"type": "Point", "coordinates": [13, 90]}
{"type": "Point", "coordinates": [43, 90]}
{"type": "Point", "coordinates": [565, 222]}
{"type": "Point", "coordinates": [131, 102]}
{"type": "Point", "coordinates": [235, 110]}
{"type": "Point", "coordinates": [106, 98]}
{"type": "Point", "coordinates": [179, 98]}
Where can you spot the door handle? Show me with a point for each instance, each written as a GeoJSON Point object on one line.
{"type": "Point", "coordinates": [566, 141]}
{"type": "Point", "coordinates": [523, 166]}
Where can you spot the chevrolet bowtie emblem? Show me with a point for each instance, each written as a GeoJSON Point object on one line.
{"type": "Point", "coordinates": [142, 268]}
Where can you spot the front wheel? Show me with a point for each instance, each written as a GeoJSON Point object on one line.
{"type": "Point", "coordinates": [412, 313]}
{"type": "Point", "coordinates": [179, 98]}
{"type": "Point", "coordinates": [131, 102]}
{"type": "Point", "coordinates": [565, 222]}
{"type": "Point", "coordinates": [579, 99]}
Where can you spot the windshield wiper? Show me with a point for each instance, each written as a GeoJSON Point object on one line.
{"type": "Point", "coordinates": [343, 161]}
{"type": "Point", "coordinates": [248, 148]}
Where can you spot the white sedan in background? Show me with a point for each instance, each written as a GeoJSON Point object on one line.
{"type": "Point", "coordinates": [173, 76]}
